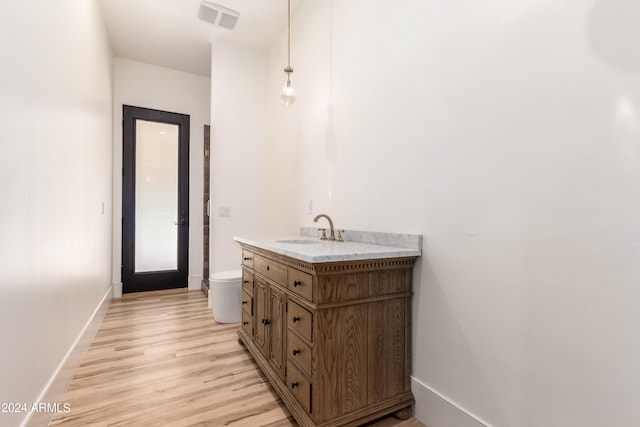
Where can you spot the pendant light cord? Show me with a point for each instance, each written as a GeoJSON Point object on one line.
{"type": "Point", "coordinates": [289, 34]}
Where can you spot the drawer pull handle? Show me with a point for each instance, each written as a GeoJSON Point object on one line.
{"type": "Point", "coordinates": [297, 283]}
{"type": "Point", "coordinates": [245, 323]}
{"type": "Point", "coordinates": [294, 385]}
{"type": "Point", "coordinates": [246, 281]}
{"type": "Point", "coordinates": [247, 258]}
{"type": "Point", "coordinates": [295, 352]}
{"type": "Point", "coordinates": [267, 268]}
{"type": "Point", "coordinates": [244, 302]}
{"type": "Point", "coordinates": [295, 319]}
{"type": "Point", "coordinates": [265, 321]}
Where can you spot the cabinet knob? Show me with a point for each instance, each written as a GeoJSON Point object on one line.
{"type": "Point", "coordinates": [296, 283]}
{"type": "Point", "coordinates": [294, 385]}
{"type": "Point", "coordinates": [265, 321]}
{"type": "Point", "coordinates": [267, 268]}
{"type": "Point", "coordinates": [295, 352]}
{"type": "Point", "coordinates": [295, 319]}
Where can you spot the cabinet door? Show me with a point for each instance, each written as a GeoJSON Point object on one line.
{"type": "Point", "coordinates": [277, 324]}
{"type": "Point", "coordinates": [261, 316]}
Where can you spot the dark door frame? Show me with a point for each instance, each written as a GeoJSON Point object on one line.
{"type": "Point", "coordinates": [154, 280]}
{"type": "Point", "coordinates": [206, 209]}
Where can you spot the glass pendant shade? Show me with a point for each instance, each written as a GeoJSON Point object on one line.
{"type": "Point", "coordinates": [288, 93]}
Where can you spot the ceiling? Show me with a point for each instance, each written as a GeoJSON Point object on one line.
{"type": "Point", "coordinates": [169, 33]}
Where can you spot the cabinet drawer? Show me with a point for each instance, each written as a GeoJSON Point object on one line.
{"type": "Point", "coordinates": [247, 323]}
{"type": "Point", "coordinates": [299, 386]}
{"type": "Point", "coordinates": [301, 283]}
{"type": "Point", "coordinates": [247, 281]}
{"type": "Point", "coordinates": [299, 352]}
{"type": "Point", "coordinates": [270, 269]}
{"type": "Point", "coordinates": [247, 303]}
{"type": "Point", "coordinates": [300, 320]}
{"type": "Point", "coordinates": [247, 258]}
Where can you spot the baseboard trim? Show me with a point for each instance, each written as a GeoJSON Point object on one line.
{"type": "Point", "coordinates": [54, 391]}
{"type": "Point", "coordinates": [117, 290]}
{"type": "Point", "coordinates": [436, 410]}
{"type": "Point", "coordinates": [195, 283]}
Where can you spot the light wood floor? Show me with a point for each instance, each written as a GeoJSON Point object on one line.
{"type": "Point", "coordinates": [159, 359]}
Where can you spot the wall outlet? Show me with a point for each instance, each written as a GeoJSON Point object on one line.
{"type": "Point", "coordinates": [224, 211]}
{"type": "Point", "coordinates": [309, 205]}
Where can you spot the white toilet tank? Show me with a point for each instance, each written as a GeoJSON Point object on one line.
{"type": "Point", "coordinates": [226, 295]}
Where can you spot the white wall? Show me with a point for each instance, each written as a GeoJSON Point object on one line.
{"type": "Point", "coordinates": [149, 86]}
{"type": "Point", "coordinates": [508, 134]}
{"type": "Point", "coordinates": [239, 151]}
{"type": "Point", "coordinates": [55, 187]}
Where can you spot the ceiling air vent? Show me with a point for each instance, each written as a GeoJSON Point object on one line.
{"type": "Point", "coordinates": [218, 15]}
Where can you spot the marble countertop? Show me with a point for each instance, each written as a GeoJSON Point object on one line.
{"type": "Point", "coordinates": [311, 249]}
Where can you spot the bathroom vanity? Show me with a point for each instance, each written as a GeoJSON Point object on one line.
{"type": "Point", "coordinates": [329, 325]}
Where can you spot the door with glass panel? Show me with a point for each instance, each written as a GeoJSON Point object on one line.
{"type": "Point", "coordinates": [155, 199]}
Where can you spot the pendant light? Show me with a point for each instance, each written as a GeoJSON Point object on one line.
{"type": "Point", "coordinates": [288, 93]}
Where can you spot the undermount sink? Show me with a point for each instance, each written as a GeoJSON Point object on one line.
{"type": "Point", "coordinates": [298, 241]}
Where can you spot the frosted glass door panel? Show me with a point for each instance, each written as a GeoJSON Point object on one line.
{"type": "Point", "coordinates": [156, 196]}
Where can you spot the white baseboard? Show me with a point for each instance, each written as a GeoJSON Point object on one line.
{"type": "Point", "coordinates": [117, 290]}
{"type": "Point", "coordinates": [57, 385]}
{"type": "Point", "coordinates": [436, 410]}
{"type": "Point", "coordinates": [195, 283]}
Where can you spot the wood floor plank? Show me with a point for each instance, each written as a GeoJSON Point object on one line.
{"type": "Point", "coordinates": [159, 359]}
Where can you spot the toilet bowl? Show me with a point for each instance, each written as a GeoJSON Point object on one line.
{"type": "Point", "coordinates": [226, 296]}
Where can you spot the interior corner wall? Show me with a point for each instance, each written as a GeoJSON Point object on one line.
{"type": "Point", "coordinates": [55, 184]}
{"type": "Point", "coordinates": [508, 135]}
{"type": "Point", "coordinates": [149, 86]}
{"type": "Point", "coordinates": [240, 170]}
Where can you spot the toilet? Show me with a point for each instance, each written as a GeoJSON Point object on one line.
{"type": "Point", "coordinates": [226, 296]}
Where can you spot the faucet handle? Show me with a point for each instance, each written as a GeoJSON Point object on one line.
{"type": "Point", "coordinates": [339, 237]}
{"type": "Point", "coordinates": [324, 233]}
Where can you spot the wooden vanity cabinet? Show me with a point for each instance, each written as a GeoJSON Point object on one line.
{"type": "Point", "coordinates": [333, 339]}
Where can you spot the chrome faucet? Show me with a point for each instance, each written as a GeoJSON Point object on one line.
{"type": "Point", "coordinates": [332, 236]}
